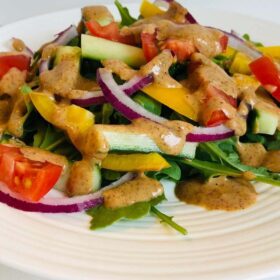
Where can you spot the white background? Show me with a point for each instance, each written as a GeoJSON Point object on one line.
{"type": "Point", "coordinates": [13, 10]}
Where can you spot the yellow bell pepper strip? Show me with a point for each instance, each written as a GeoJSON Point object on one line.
{"type": "Point", "coordinates": [148, 9]}
{"type": "Point", "coordinates": [71, 118]}
{"type": "Point", "coordinates": [229, 52]}
{"type": "Point", "coordinates": [135, 162]}
{"type": "Point", "coordinates": [177, 99]}
{"type": "Point", "coordinates": [240, 64]}
{"type": "Point", "coordinates": [272, 51]}
{"type": "Point", "coordinates": [245, 81]}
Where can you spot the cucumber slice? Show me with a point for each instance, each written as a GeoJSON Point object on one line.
{"type": "Point", "coordinates": [135, 142]}
{"type": "Point", "coordinates": [99, 49]}
{"type": "Point", "coordinates": [264, 122]}
{"type": "Point", "coordinates": [97, 179]}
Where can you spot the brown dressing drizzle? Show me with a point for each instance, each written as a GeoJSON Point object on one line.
{"type": "Point", "coordinates": [220, 193]}
{"type": "Point", "coordinates": [139, 189]}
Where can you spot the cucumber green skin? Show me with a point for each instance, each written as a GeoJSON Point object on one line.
{"type": "Point", "coordinates": [133, 142]}
{"type": "Point", "coordinates": [100, 49]}
{"type": "Point", "coordinates": [97, 178]}
{"type": "Point", "coordinates": [265, 122]}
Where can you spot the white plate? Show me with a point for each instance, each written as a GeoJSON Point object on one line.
{"type": "Point", "coordinates": [241, 245]}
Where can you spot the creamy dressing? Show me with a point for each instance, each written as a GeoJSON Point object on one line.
{"type": "Point", "coordinates": [81, 178]}
{"type": "Point", "coordinates": [254, 154]}
{"type": "Point", "coordinates": [220, 193]}
{"type": "Point", "coordinates": [159, 67]}
{"type": "Point", "coordinates": [272, 161]}
{"type": "Point", "coordinates": [12, 105]}
{"type": "Point", "coordinates": [139, 189]}
{"type": "Point", "coordinates": [251, 154]}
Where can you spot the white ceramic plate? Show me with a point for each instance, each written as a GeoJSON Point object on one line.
{"type": "Point", "coordinates": [241, 245]}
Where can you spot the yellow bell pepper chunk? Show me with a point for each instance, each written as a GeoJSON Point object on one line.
{"type": "Point", "coordinates": [148, 9]}
{"type": "Point", "coordinates": [135, 162]}
{"type": "Point", "coordinates": [229, 52]}
{"type": "Point", "coordinates": [240, 64]}
{"type": "Point", "coordinates": [71, 117]}
{"type": "Point", "coordinates": [245, 81]}
{"type": "Point", "coordinates": [273, 51]}
{"type": "Point", "coordinates": [178, 99]}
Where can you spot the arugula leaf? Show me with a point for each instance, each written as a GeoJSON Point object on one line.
{"type": "Point", "coordinates": [232, 160]}
{"type": "Point", "coordinates": [127, 19]}
{"type": "Point", "coordinates": [211, 169]}
{"type": "Point", "coordinates": [173, 172]}
{"type": "Point", "coordinates": [103, 217]}
{"type": "Point", "coordinates": [168, 220]}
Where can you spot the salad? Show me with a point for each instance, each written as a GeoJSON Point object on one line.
{"type": "Point", "coordinates": [109, 110]}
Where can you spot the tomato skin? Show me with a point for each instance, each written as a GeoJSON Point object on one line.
{"type": "Point", "coordinates": [217, 117]}
{"type": "Point", "coordinates": [182, 49]}
{"type": "Point", "coordinates": [31, 179]}
{"type": "Point", "coordinates": [149, 45]}
{"type": "Point", "coordinates": [224, 42]}
{"type": "Point", "coordinates": [7, 62]}
{"type": "Point", "coordinates": [267, 74]}
{"type": "Point", "coordinates": [110, 32]}
{"type": "Point", "coordinates": [213, 91]}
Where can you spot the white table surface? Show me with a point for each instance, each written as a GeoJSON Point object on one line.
{"type": "Point", "coordinates": [13, 10]}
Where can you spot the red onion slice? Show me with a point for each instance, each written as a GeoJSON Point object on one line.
{"type": "Point", "coordinates": [44, 65]}
{"type": "Point", "coordinates": [190, 19]}
{"type": "Point", "coordinates": [137, 83]}
{"type": "Point", "coordinates": [61, 204]}
{"type": "Point", "coordinates": [66, 35]}
{"type": "Point", "coordinates": [130, 87]}
{"type": "Point", "coordinates": [240, 45]}
{"type": "Point", "coordinates": [120, 101]}
{"type": "Point", "coordinates": [207, 134]}
{"type": "Point", "coordinates": [90, 98]}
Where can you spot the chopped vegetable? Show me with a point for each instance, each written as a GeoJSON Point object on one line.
{"type": "Point", "coordinates": [267, 74]}
{"type": "Point", "coordinates": [21, 62]}
{"type": "Point", "coordinates": [148, 9]}
{"type": "Point", "coordinates": [135, 162]}
{"type": "Point", "coordinates": [31, 179]}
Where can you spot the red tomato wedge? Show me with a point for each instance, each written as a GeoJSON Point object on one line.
{"type": "Point", "coordinates": [182, 49]}
{"type": "Point", "coordinates": [217, 117]}
{"type": "Point", "coordinates": [31, 179]}
{"type": "Point", "coordinates": [149, 45]}
{"type": "Point", "coordinates": [224, 42]}
{"type": "Point", "coordinates": [7, 62]}
{"type": "Point", "coordinates": [110, 32]}
{"type": "Point", "coordinates": [267, 74]}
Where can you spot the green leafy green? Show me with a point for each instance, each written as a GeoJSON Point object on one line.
{"type": "Point", "coordinates": [211, 169]}
{"type": "Point", "coordinates": [110, 175]}
{"type": "Point", "coordinates": [148, 103]}
{"type": "Point", "coordinates": [127, 19]}
{"type": "Point", "coordinates": [223, 61]}
{"type": "Point", "coordinates": [232, 160]}
{"type": "Point", "coordinates": [248, 39]}
{"type": "Point", "coordinates": [178, 71]}
{"type": "Point", "coordinates": [173, 172]}
{"type": "Point", "coordinates": [103, 217]}
{"type": "Point", "coordinates": [168, 220]}
{"type": "Point", "coordinates": [107, 111]}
